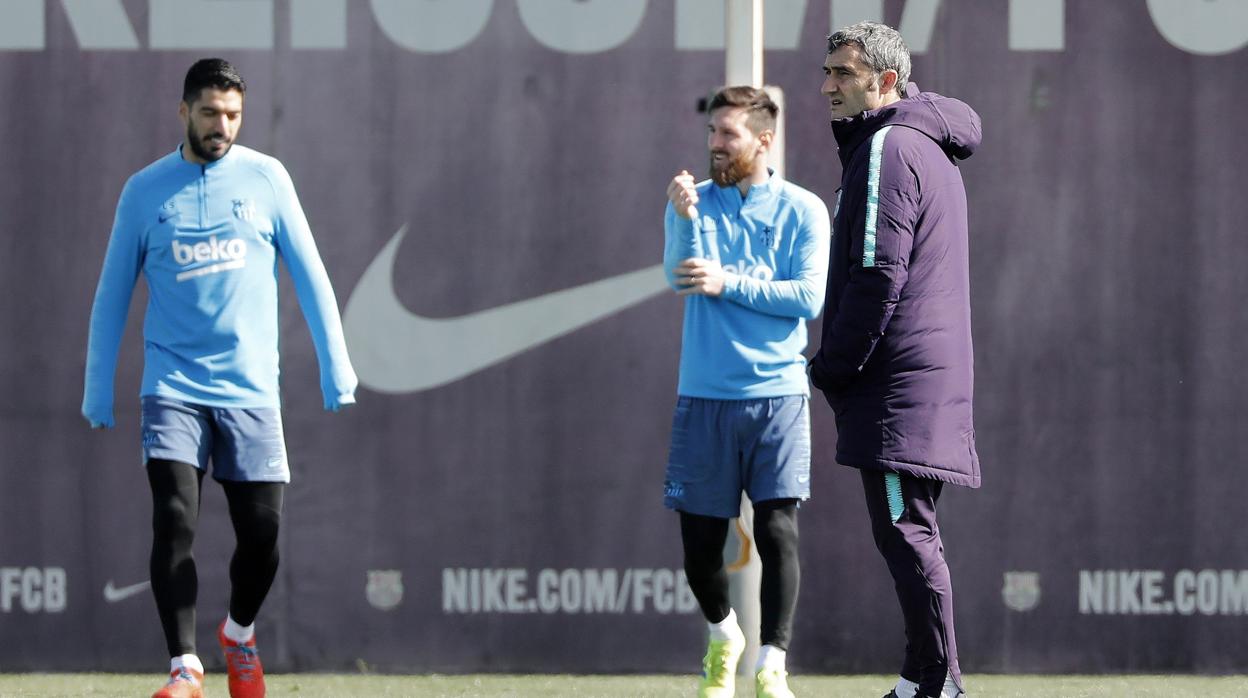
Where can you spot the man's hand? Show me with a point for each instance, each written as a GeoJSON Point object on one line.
{"type": "Point", "coordinates": [703, 277]}
{"type": "Point", "coordinates": [825, 381]}
{"type": "Point", "coordinates": [818, 377]}
{"type": "Point", "coordinates": [683, 195]}
{"type": "Point", "coordinates": [337, 402]}
{"type": "Point", "coordinates": [98, 417]}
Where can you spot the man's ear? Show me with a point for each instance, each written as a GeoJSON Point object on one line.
{"type": "Point", "coordinates": [766, 138]}
{"type": "Point", "coordinates": [888, 81]}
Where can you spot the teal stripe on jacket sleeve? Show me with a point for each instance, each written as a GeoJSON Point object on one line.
{"type": "Point", "coordinates": [873, 195]}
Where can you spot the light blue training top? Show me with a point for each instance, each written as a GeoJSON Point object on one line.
{"type": "Point", "coordinates": [207, 239]}
{"type": "Point", "coordinates": [773, 243]}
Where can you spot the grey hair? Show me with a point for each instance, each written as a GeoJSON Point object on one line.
{"type": "Point", "coordinates": [882, 49]}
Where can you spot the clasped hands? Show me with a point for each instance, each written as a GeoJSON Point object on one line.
{"type": "Point", "coordinates": [701, 277]}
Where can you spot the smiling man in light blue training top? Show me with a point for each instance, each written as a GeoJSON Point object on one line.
{"type": "Point", "coordinates": [205, 225]}
{"type": "Point", "coordinates": [749, 253]}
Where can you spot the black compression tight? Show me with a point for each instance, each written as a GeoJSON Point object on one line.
{"type": "Point", "coordinates": [255, 511]}
{"type": "Point", "coordinates": [775, 534]}
{"type": "Point", "coordinates": [175, 511]}
{"type": "Point", "coordinates": [703, 538]}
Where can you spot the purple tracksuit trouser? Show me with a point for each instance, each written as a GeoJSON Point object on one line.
{"type": "Point", "coordinates": [903, 522]}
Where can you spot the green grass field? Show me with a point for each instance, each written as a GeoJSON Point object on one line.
{"type": "Point", "coordinates": [348, 686]}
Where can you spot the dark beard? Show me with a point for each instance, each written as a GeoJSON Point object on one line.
{"type": "Point", "coordinates": [197, 145]}
{"type": "Point", "coordinates": [737, 169]}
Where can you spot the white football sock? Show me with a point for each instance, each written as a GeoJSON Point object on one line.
{"type": "Point", "coordinates": [770, 657]}
{"type": "Point", "coordinates": [905, 688]}
{"type": "Point", "coordinates": [950, 689]}
{"type": "Point", "coordinates": [190, 661]}
{"type": "Point", "coordinates": [726, 629]}
{"type": "Point", "coordinates": [238, 633]}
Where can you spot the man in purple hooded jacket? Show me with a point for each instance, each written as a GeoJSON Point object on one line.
{"type": "Point", "coordinates": [895, 362]}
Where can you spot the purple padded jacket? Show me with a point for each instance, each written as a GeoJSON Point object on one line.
{"type": "Point", "coordinates": [896, 361]}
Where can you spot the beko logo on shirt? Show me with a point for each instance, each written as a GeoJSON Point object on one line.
{"type": "Point", "coordinates": [755, 271]}
{"type": "Point", "coordinates": [213, 250]}
{"type": "Point", "coordinates": [223, 255]}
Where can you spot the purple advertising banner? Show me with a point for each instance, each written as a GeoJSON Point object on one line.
{"type": "Point", "coordinates": [485, 180]}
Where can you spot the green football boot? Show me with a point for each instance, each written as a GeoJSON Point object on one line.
{"type": "Point", "coordinates": [772, 683]}
{"type": "Point", "coordinates": [719, 668]}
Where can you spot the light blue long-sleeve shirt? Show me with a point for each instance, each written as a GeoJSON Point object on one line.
{"type": "Point", "coordinates": [773, 245]}
{"type": "Point", "coordinates": [206, 239]}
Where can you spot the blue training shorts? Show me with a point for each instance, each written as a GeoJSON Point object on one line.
{"type": "Point", "coordinates": [244, 444]}
{"type": "Point", "coordinates": [722, 447]}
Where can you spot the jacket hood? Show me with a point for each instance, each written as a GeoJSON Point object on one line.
{"type": "Point", "coordinates": [949, 122]}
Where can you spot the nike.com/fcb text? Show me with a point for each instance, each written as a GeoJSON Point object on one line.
{"type": "Point", "coordinates": [511, 590]}
{"type": "Point", "coordinates": [1147, 592]}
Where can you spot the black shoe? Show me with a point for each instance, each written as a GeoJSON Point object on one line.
{"type": "Point", "coordinates": [891, 694]}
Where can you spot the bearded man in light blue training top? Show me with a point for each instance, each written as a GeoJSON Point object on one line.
{"type": "Point", "coordinates": [749, 253]}
{"type": "Point", "coordinates": [205, 226]}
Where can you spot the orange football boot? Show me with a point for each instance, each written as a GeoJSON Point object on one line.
{"type": "Point", "coordinates": [243, 665]}
{"type": "Point", "coordinates": [183, 683]}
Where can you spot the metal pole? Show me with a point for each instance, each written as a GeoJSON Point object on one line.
{"type": "Point", "coordinates": [743, 65]}
{"type": "Point", "coordinates": [743, 40]}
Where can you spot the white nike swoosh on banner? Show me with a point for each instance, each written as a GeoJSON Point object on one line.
{"type": "Point", "coordinates": [114, 594]}
{"type": "Point", "coordinates": [396, 351]}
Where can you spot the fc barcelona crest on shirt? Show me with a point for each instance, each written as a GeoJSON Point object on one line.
{"type": "Point", "coordinates": [1021, 591]}
{"type": "Point", "coordinates": [244, 210]}
{"type": "Point", "coordinates": [768, 236]}
{"type": "Point", "coordinates": [384, 589]}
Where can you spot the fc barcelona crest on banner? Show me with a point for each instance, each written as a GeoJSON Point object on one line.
{"type": "Point", "coordinates": [1021, 591]}
{"type": "Point", "coordinates": [384, 589]}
